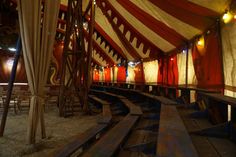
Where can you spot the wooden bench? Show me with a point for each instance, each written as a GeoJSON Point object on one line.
{"type": "Point", "coordinates": [173, 138]}
{"type": "Point", "coordinates": [80, 141]}
{"type": "Point", "coordinates": [161, 99]}
{"type": "Point", "coordinates": [133, 109]}
{"type": "Point", "coordinates": [106, 110]}
{"type": "Point", "coordinates": [110, 142]}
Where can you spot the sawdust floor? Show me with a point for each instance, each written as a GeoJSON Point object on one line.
{"type": "Point", "coordinates": [59, 132]}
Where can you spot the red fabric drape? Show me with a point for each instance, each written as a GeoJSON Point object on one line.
{"type": "Point", "coordinates": [172, 71]}
{"type": "Point", "coordinates": [157, 26]}
{"type": "Point", "coordinates": [139, 74]}
{"type": "Point", "coordinates": [162, 73]}
{"type": "Point", "coordinates": [96, 75]}
{"type": "Point", "coordinates": [168, 71]}
{"type": "Point", "coordinates": [107, 72]}
{"type": "Point", "coordinates": [187, 12]}
{"type": "Point", "coordinates": [121, 74]}
{"type": "Point", "coordinates": [207, 62]}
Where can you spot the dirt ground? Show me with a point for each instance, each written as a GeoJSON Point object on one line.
{"type": "Point", "coordinates": [59, 132]}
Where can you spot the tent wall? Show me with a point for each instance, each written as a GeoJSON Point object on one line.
{"type": "Point", "coordinates": [229, 57]}
{"type": "Point", "coordinates": [150, 72]}
{"type": "Point", "coordinates": [6, 62]}
{"type": "Point", "coordinates": [207, 60]}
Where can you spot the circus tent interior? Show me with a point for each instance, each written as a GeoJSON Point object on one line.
{"type": "Point", "coordinates": [152, 77]}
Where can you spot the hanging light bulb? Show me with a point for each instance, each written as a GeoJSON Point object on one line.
{"type": "Point", "coordinates": [201, 41]}
{"type": "Point", "coordinates": [227, 17]}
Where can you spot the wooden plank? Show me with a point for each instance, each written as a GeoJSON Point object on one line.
{"type": "Point", "coordinates": [98, 100]}
{"type": "Point", "coordinates": [221, 98]}
{"type": "Point", "coordinates": [114, 95]}
{"type": "Point", "coordinates": [173, 139]}
{"type": "Point", "coordinates": [133, 109]}
{"type": "Point", "coordinates": [106, 114]}
{"type": "Point", "coordinates": [110, 142]}
{"type": "Point", "coordinates": [79, 141]}
{"type": "Point", "coordinates": [140, 137]}
{"type": "Point", "coordinates": [165, 100]}
{"type": "Point", "coordinates": [106, 110]}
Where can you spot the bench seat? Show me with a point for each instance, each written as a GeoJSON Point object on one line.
{"type": "Point", "coordinates": [173, 138]}
{"type": "Point", "coordinates": [110, 142]}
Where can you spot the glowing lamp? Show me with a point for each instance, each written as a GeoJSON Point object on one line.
{"type": "Point", "coordinates": [9, 64]}
{"type": "Point", "coordinates": [171, 59]}
{"type": "Point", "coordinates": [201, 41]}
{"type": "Point", "coordinates": [234, 16]}
{"type": "Point", "coordinates": [227, 17]}
{"type": "Point", "coordinates": [12, 49]}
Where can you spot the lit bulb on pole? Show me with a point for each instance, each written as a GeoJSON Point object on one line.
{"type": "Point", "coordinates": [227, 17]}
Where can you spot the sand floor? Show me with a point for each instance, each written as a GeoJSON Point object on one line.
{"type": "Point", "coordinates": [59, 132]}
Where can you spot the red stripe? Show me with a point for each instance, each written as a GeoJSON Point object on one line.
{"type": "Point", "coordinates": [157, 26]}
{"type": "Point", "coordinates": [110, 40]}
{"type": "Point", "coordinates": [100, 51]}
{"type": "Point", "coordinates": [183, 14]}
{"type": "Point", "coordinates": [193, 8]}
{"type": "Point", "coordinates": [128, 26]}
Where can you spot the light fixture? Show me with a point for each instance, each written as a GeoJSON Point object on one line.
{"type": "Point", "coordinates": [234, 16]}
{"type": "Point", "coordinates": [12, 49]}
{"type": "Point", "coordinates": [227, 17]}
{"type": "Point", "coordinates": [85, 25]}
{"type": "Point", "coordinates": [94, 2]}
{"type": "Point", "coordinates": [171, 59]}
{"type": "Point", "coordinates": [133, 64]}
{"type": "Point", "coordinates": [184, 51]}
{"type": "Point", "coordinates": [9, 64]}
{"type": "Point", "coordinates": [201, 41]}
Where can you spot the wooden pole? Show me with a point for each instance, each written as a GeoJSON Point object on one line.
{"type": "Point", "coordinates": [186, 74]}
{"type": "Point", "coordinates": [89, 56]}
{"type": "Point", "coordinates": [10, 87]}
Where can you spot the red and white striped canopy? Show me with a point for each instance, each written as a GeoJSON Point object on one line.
{"type": "Point", "coordinates": [146, 29]}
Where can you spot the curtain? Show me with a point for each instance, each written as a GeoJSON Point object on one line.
{"type": "Point", "coordinates": [121, 74]}
{"type": "Point", "coordinates": [150, 71]}
{"type": "Point", "coordinates": [107, 74]}
{"type": "Point", "coordinates": [131, 75]}
{"type": "Point", "coordinates": [139, 74]}
{"type": "Point", "coordinates": [37, 47]}
{"type": "Point", "coordinates": [95, 75]}
{"type": "Point", "coordinates": [192, 79]}
{"type": "Point", "coordinates": [161, 71]}
{"type": "Point", "coordinates": [207, 60]}
{"type": "Point", "coordinates": [229, 57]}
{"type": "Point", "coordinates": [101, 75]}
{"type": "Point", "coordinates": [181, 62]}
{"type": "Point", "coordinates": [172, 70]}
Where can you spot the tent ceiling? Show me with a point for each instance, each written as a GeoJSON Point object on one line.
{"type": "Point", "coordinates": [150, 27]}
{"type": "Point", "coordinates": [157, 26]}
